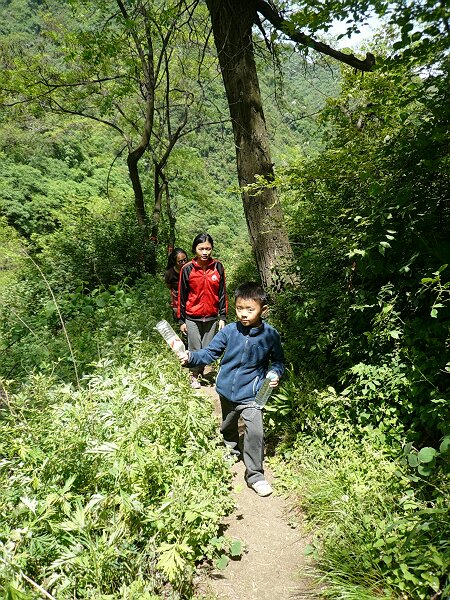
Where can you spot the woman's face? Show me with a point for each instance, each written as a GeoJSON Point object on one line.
{"type": "Point", "coordinates": [180, 260]}
{"type": "Point", "coordinates": [203, 250]}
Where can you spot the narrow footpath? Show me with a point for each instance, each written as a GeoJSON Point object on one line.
{"type": "Point", "coordinates": [273, 561]}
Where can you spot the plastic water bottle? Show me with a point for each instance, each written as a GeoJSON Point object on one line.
{"type": "Point", "coordinates": [170, 336]}
{"type": "Point", "coordinates": [265, 390]}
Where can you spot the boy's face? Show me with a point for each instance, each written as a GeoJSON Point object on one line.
{"type": "Point", "coordinates": [249, 312]}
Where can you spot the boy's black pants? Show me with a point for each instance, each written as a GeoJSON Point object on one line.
{"type": "Point", "coordinates": [253, 451]}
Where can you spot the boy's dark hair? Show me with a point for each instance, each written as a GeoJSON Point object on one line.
{"type": "Point", "coordinates": [251, 291]}
{"type": "Point", "coordinates": [201, 238]}
{"type": "Point", "coordinates": [172, 258]}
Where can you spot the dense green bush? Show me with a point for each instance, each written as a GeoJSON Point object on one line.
{"type": "Point", "coordinates": [51, 167]}
{"type": "Point", "coordinates": [371, 226]}
{"type": "Point", "coordinates": [113, 488]}
{"type": "Point", "coordinates": [98, 247]}
{"type": "Point", "coordinates": [113, 482]}
{"type": "Point", "coordinates": [364, 415]}
{"type": "Point", "coordinates": [379, 530]}
{"type": "Point", "coordinates": [47, 332]}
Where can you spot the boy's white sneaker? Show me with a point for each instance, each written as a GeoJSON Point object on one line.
{"type": "Point", "coordinates": [262, 488]}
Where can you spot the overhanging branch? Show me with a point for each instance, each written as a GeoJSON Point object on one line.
{"type": "Point", "coordinates": [286, 27]}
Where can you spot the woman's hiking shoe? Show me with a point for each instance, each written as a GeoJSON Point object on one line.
{"type": "Point", "coordinates": [262, 488]}
{"type": "Point", "coordinates": [232, 456]}
{"type": "Point", "coordinates": [195, 383]}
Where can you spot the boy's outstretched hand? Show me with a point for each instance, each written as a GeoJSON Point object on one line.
{"type": "Point", "coordinates": [183, 357]}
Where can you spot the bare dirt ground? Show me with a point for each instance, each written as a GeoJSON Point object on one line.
{"type": "Point", "coordinates": [272, 564]}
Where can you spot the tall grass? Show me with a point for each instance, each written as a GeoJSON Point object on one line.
{"type": "Point", "coordinates": [374, 534]}
{"type": "Point", "coordinates": [114, 487]}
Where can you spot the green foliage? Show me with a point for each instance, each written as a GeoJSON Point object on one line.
{"type": "Point", "coordinates": [88, 505]}
{"type": "Point", "coordinates": [97, 322]}
{"type": "Point", "coordinates": [101, 246]}
{"type": "Point", "coordinates": [380, 228]}
{"type": "Point", "coordinates": [113, 486]}
{"type": "Point", "coordinates": [75, 61]}
{"type": "Point", "coordinates": [429, 460]}
{"type": "Point", "coordinates": [295, 92]}
{"type": "Point", "coordinates": [10, 252]}
{"type": "Point", "coordinates": [367, 333]}
{"type": "Point", "coordinates": [419, 28]}
{"type": "Point", "coordinates": [202, 197]}
{"type": "Point", "coordinates": [373, 520]}
{"type": "Point", "coordinates": [80, 276]}
{"type": "Point", "coordinates": [112, 489]}
{"type": "Point", "coordinates": [48, 168]}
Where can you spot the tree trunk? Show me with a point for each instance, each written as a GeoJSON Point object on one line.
{"type": "Point", "coordinates": [172, 220]}
{"type": "Point", "coordinates": [133, 171]}
{"type": "Point", "coordinates": [158, 190]}
{"type": "Point", "coordinates": [147, 83]}
{"type": "Point", "coordinates": [232, 22]}
{"type": "Point", "coordinates": [139, 205]}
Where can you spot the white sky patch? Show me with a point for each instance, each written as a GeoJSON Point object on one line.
{"type": "Point", "coordinates": [367, 31]}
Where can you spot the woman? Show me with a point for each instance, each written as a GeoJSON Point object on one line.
{"type": "Point", "coordinates": [177, 258]}
{"type": "Point", "coordinates": [202, 297]}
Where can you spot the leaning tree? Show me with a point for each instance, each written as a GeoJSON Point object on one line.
{"type": "Point", "coordinates": [232, 24]}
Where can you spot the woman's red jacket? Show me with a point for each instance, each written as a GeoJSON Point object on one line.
{"type": "Point", "coordinates": [202, 292]}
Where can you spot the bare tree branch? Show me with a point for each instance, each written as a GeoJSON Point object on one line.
{"type": "Point", "coordinates": [61, 109]}
{"type": "Point", "coordinates": [286, 27]}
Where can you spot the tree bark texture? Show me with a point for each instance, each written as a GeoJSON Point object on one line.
{"type": "Point", "coordinates": [232, 22]}
{"type": "Point", "coordinates": [133, 172]}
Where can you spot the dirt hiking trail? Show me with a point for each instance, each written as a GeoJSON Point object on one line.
{"type": "Point", "coordinates": [273, 557]}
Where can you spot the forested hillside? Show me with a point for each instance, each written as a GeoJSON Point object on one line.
{"type": "Point", "coordinates": [117, 144]}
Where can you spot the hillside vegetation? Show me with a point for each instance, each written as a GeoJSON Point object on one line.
{"type": "Point", "coordinates": [113, 478]}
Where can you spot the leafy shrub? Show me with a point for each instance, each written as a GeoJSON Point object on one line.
{"type": "Point", "coordinates": [95, 247]}
{"type": "Point", "coordinates": [113, 489]}
{"type": "Point", "coordinates": [97, 323]}
{"type": "Point", "coordinates": [378, 532]}
{"type": "Point", "coordinates": [369, 223]}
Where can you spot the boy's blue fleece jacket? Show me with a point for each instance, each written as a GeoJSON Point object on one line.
{"type": "Point", "coordinates": [247, 352]}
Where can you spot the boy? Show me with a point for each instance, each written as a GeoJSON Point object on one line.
{"type": "Point", "coordinates": [247, 347]}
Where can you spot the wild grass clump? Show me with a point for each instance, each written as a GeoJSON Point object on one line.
{"type": "Point", "coordinates": [378, 529]}
{"type": "Point", "coordinates": [61, 333]}
{"type": "Point", "coordinates": [114, 489]}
